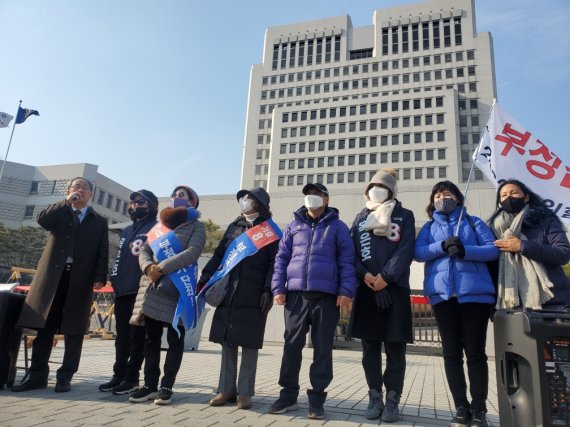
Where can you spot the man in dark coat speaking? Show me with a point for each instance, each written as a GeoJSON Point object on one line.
{"type": "Point", "coordinates": [73, 262]}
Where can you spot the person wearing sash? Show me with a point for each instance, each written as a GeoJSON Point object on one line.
{"type": "Point", "coordinates": [167, 288]}
{"type": "Point", "coordinates": [314, 275]}
{"type": "Point", "coordinates": [74, 261]}
{"type": "Point", "coordinates": [125, 278]}
{"type": "Point", "coordinates": [239, 321]}
{"type": "Point", "coordinates": [384, 236]}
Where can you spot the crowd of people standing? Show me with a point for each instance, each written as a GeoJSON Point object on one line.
{"type": "Point", "coordinates": [314, 268]}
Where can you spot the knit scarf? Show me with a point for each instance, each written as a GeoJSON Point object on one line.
{"type": "Point", "coordinates": [379, 217]}
{"type": "Point", "coordinates": [522, 281]}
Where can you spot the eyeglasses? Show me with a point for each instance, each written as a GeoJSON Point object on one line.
{"type": "Point", "coordinates": [182, 194]}
{"type": "Point", "coordinates": [138, 202]}
{"type": "Point", "coordinates": [80, 187]}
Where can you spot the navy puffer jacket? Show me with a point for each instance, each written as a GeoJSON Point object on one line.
{"type": "Point", "coordinates": [315, 257]}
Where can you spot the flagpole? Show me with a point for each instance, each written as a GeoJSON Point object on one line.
{"type": "Point", "coordinates": [9, 142]}
{"type": "Point", "coordinates": [471, 172]}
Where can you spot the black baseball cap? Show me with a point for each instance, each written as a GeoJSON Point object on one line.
{"type": "Point", "coordinates": [316, 186]}
{"type": "Point", "coordinates": [147, 195]}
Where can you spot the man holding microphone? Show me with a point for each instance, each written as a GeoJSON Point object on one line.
{"type": "Point", "coordinates": [74, 261]}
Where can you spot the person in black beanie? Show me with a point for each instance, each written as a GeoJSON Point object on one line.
{"type": "Point", "coordinates": [125, 277]}
{"type": "Point", "coordinates": [240, 319]}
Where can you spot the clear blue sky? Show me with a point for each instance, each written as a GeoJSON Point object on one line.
{"type": "Point", "coordinates": [155, 92]}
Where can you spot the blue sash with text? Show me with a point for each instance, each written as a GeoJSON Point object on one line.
{"type": "Point", "coordinates": [165, 244]}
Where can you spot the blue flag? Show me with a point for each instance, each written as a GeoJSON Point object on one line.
{"type": "Point", "coordinates": [24, 113]}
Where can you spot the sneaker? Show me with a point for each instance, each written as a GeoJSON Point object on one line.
{"type": "Point", "coordinates": [316, 412]}
{"type": "Point", "coordinates": [375, 405]}
{"type": "Point", "coordinates": [110, 385]}
{"type": "Point", "coordinates": [281, 406]}
{"type": "Point", "coordinates": [125, 388]}
{"type": "Point", "coordinates": [462, 417]}
{"type": "Point", "coordinates": [164, 396]}
{"type": "Point", "coordinates": [142, 395]}
{"type": "Point", "coordinates": [478, 419]}
{"type": "Point", "coordinates": [391, 413]}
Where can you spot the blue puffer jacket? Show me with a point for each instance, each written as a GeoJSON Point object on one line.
{"type": "Point", "coordinates": [445, 277]}
{"type": "Point", "coordinates": [315, 256]}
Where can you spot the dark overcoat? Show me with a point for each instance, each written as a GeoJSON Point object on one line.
{"type": "Point", "coordinates": [390, 256]}
{"type": "Point", "coordinates": [238, 320]}
{"type": "Point", "coordinates": [88, 244]}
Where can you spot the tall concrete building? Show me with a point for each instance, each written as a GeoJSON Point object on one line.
{"type": "Point", "coordinates": [26, 190]}
{"type": "Point", "coordinates": [332, 103]}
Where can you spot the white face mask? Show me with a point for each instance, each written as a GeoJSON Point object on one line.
{"type": "Point", "coordinates": [245, 204]}
{"type": "Point", "coordinates": [313, 202]}
{"type": "Point", "coordinates": [378, 194]}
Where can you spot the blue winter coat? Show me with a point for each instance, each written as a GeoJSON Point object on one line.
{"type": "Point", "coordinates": [315, 257]}
{"type": "Point", "coordinates": [466, 278]}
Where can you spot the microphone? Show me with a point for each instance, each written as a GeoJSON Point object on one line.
{"type": "Point", "coordinates": [74, 198]}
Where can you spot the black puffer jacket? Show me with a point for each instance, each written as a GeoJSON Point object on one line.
{"type": "Point", "coordinates": [238, 320]}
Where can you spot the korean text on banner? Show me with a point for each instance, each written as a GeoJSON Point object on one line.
{"type": "Point", "coordinates": [508, 150]}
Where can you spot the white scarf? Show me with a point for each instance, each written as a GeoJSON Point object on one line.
{"type": "Point", "coordinates": [379, 217]}
{"type": "Point", "coordinates": [522, 281]}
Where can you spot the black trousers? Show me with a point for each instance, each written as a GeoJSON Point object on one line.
{"type": "Point", "coordinates": [393, 376]}
{"type": "Point", "coordinates": [174, 354]}
{"type": "Point", "coordinates": [321, 314]}
{"type": "Point", "coordinates": [463, 328]}
{"type": "Point", "coordinates": [43, 344]}
{"type": "Point", "coordinates": [129, 343]}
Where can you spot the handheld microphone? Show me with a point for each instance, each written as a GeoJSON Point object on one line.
{"type": "Point", "coordinates": [74, 198]}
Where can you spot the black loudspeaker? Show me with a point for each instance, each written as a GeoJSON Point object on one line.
{"type": "Point", "coordinates": [532, 356]}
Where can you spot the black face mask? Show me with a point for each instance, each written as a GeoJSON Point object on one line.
{"type": "Point", "coordinates": [513, 205]}
{"type": "Point", "coordinates": [138, 213]}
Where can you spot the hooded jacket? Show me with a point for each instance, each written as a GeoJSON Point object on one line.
{"type": "Point", "coordinates": [315, 256]}
{"type": "Point", "coordinates": [445, 277]}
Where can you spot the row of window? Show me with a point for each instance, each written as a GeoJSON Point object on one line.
{"type": "Point", "coordinates": [405, 38]}
{"type": "Point", "coordinates": [304, 52]}
{"type": "Point", "coordinates": [110, 201]}
{"type": "Point", "coordinates": [362, 176]}
{"type": "Point", "coordinates": [363, 109]}
{"type": "Point", "coordinates": [363, 159]}
{"type": "Point", "coordinates": [373, 67]}
{"type": "Point", "coordinates": [370, 83]}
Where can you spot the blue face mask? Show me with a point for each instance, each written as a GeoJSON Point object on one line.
{"type": "Point", "coordinates": [177, 202]}
{"type": "Point", "coordinates": [445, 205]}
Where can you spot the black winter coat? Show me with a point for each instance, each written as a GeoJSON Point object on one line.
{"type": "Point", "coordinates": [548, 244]}
{"type": "Point", "coordinates": [390, 256]}
{"type": "Point", "coordinates": [126, 273]}
{"type": "Point", "coordinates": [238, 320]}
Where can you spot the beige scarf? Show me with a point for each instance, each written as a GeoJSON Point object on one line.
{"type": "Point", "coordinates": [522, 281]}
{"type": "Point", "coordinates": [379, 217]}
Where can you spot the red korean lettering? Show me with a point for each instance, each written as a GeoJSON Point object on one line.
{"type": "Point", "coordinates": [566, 180]}
{"type": "Point", "coordinates": [512, 139]}
{"type": "Point", "coordinates": [543, 170]}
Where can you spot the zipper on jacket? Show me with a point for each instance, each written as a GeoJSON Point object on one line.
{"type": "Point", "coordinates": [451, 264]}
{"type": "Point", "coordinates": [308, 256]}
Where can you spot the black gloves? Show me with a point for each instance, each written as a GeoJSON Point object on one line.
{"type": "Point", "coordinates": [202, 281]}
{"type": "Point", "coordinates": [454, 247]}
{"type": "Point", "coordinates": [457, 251]}
{"type": "Point", "coordinates": [383, 300]}
{"type": "Point", "coordinates": [266, 302]}
{"type": "Point", "coordinates": [452, 241]}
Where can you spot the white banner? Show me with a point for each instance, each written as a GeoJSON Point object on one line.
{"type": "Point", "coordinates": [508, 150]}
{"type": "Point", "coordinates": [5, 119]}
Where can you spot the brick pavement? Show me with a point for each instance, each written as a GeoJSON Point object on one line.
{"type": "Point", "coordinates": [426, 400]}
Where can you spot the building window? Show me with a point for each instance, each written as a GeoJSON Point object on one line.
{"type": "Point", "coordinates": [442, 172]}
{"type": "Point", "coordinates": [34, 187]}
{"type": "Point", "coordinates": [281, 181]}
{"type": "Point", "coordinates": [430, 173]}
{"type": "Point", "coordinates": [110, 201]}
{"type": "Point", "coordinates": [441, 154]}
{"type": "Point", "coordinates": [429, 154]}
{"type": "Point", "coordinates": [117, 205]}
{"type": "Point", "coordinates": [457, 24]}
{"type": "Point", "coordinates": [446, 33]}
{"type": "Point", "coordinates": [395, 40]}
{"type": "Point", "coordinates": [441, 136]}
{"type": "Point", "coordinates": [407, 174]}
{"type": "Point", "coordinates": [29, 212]}
{"type": "Point", "coordinates": [101, 197]}
{"type": "Point", "coordinates": [418, 173]}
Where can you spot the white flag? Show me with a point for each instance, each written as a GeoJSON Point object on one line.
{"type": "Point", "coordinates": [5, 119]}
{"type": "Point", "coordinates": [508, 150]}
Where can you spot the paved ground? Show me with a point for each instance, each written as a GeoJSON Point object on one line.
{"type": "Point", "coordinates": [426, 400]}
